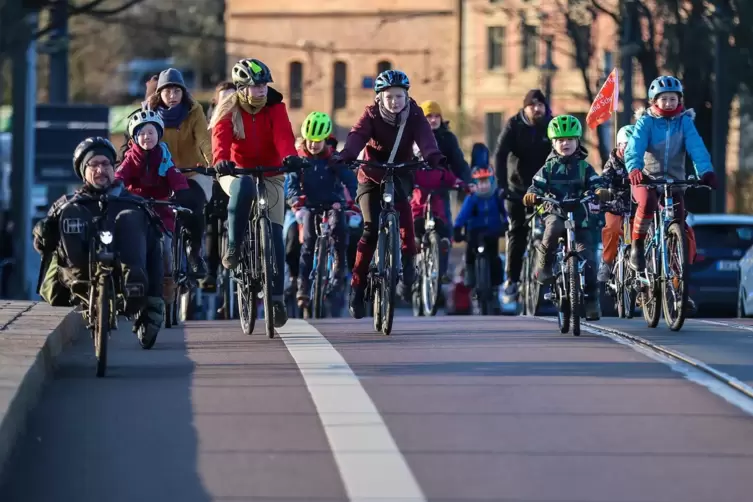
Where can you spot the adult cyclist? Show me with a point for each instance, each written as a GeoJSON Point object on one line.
{"type": "Point", "coordinates": [251, 128]}
{"type": "Point", "coordinates": [522, 148]}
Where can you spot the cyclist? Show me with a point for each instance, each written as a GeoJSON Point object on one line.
{"type": "Point", "coordinates": [662, 136]}
{"type": "Point", "coordinates": [482, 212]}
{"type": "Point", "coordinates": [566, 174]}
{"type": "Point", "coordinates": [522, 148]}
{"type": "Point", "coordinates": [148, 170]}
{"type": "Point", "coordinates": [319, 184]}
{"type": "Point", "coordinates": [425, 183]}
{"type": "Point", "coordinates": [185, 133]}
{"type": "Point", "coordinates": [251, 128]}
{"type": "Point", "coordinates": [392, 113]}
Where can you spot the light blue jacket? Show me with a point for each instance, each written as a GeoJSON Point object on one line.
{"type": "Point", "coordinates": [658, 145]}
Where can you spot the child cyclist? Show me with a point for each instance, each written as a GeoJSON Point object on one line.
{"type": "Point", "coordinates": [483, 217]}
{"type": "Point", "coordinates": [436, 181]}
{"type": "Point", "coordinates": [662, 136]}
{"type": "Point", "coordinates": [566, 174]}
{"type": "Point", "coordinates": [148, 171]}
{"type": "Point", "coordinates": [319, 184]}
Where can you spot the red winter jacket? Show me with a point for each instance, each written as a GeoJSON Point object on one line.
{"type": "Point", "coordinates": [139, 172]}
{"type": "Point", "coordinates": [427, 181]}
{"type": "Point", "coordinates": [269, 136]}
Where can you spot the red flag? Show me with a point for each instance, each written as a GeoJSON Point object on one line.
{"type": "Point", "coordinates": [605, 102]}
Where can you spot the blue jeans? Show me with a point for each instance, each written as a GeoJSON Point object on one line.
{"type": "Point", "coordinates": [336, 220]}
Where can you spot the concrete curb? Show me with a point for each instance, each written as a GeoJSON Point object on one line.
{"type": "Point", "coordinates": [35, 365]}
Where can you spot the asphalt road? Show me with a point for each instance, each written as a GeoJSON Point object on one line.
{"type": "Point", "coordinates": [447, 408]}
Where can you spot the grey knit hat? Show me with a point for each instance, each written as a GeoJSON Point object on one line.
{"type": "Point", "coordinates": [169, 77]}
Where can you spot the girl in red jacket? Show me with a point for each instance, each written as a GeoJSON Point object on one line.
{"type": "Point", "coordinates": [251, 128]}
{"type": "Point", "coordinates": [148, 171]}
{"type": "Point", "coordinates": [375, 133]}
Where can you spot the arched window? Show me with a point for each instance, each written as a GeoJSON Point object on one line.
{"type": "Point", "coordinates": [340, 85]}
{"type": "Point", "coordinates": [383, 66]}
{"type": "Point", "coordinates": [296, 84]}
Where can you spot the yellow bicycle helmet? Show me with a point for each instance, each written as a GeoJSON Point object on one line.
{"type": "Point", "coordinates": [316, 127]}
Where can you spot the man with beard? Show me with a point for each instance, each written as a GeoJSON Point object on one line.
{"type": "Point", "coordinates": [522, 148]}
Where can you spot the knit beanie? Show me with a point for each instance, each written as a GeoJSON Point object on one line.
{"type": "Point", "coordinates": [533, 96]}
{"type": "Point", "coordinates": [431, 108]}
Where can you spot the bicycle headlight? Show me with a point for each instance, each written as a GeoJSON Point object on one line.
{"type": "Point", "coordinates": [105, 238]}
{"type": "Point", "coordinates": [387, 197]}
{"type": "Point", "coordinates": [430, 224]}
{"type": "Point", "coordinates": [480, 249]}
{"type": "Point", "coordinates": [262, 202]}
{"type": "Point", "coordinates": [355, 221]}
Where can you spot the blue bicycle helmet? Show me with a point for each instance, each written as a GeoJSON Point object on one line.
{"type": "Point", "coordinates": [663, 84]}
{"type": "Point", "coordinates": [391, 78]}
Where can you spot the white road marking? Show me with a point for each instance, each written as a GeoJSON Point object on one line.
{"type": "Point", "coordinates": [725, 324]}
{"type": "Point", "coordinates": [370, 463]}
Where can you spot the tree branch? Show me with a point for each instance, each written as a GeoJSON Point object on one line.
{"type": "Point", "coordinates": [117, 10]}
{"type": "Point", "coordinates": [601, 8]}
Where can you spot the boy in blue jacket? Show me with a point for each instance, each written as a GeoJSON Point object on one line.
{"type": "Point", "coordinates": [484, 218]}
{"type": "Point", "coordinates": [662, 136]}
{"type": "Point", "coordinates": [320, 183]}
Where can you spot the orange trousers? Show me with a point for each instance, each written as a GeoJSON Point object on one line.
{"type": "Point", "coordinates": [612, 232]}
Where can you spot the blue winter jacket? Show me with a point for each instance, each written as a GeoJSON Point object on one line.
{"type": "Point", "coordinates": [321, 183]}
{"type": "Point", "coordinates": [658, 145]}
{"type": "Point", "coordinates": [483, 213]}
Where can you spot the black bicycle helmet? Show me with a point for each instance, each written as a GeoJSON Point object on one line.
{"type": "Point", "coordinates": [251, 72]}
{"type": "Point", "coordinates": [97, 143]}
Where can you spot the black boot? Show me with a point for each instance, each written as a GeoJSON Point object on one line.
{"type": "Point", "coordinates": [409, 277]}
{"type": "Point", "coordinates": [357, 307]}
{"type": "Point", "coordinates": [638, 255]}
{"type": "Point", "coordinates": [544, 262]}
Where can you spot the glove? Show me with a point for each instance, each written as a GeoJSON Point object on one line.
{"type": "Point", "coordinates": [603, 194]}
{"type": "Point", "coordinates": [336, 158]}
{"type": "Point", "coordinates": [44, 233]}
{"type": "Point", "coordinates": [457, 234]}
{"type": "Point", "coordinates": [635, 177]}
{"type": "Point", "coordinates": [299, 202]}
{"type": "Point", "coordinates": [459, 185]}
{"type": "Point", "coordinates": [529, 199]}
{"type": "Point", "coordinates": [224, 168]}
{"type": "Point", "coordinates": [293, 162]}
{"type": "Point", "coordinates": [709, 179]}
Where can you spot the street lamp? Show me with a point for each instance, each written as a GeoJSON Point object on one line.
{"type": "Point", "coordinates": [548, 69]}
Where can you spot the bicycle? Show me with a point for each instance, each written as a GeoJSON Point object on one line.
{"type": "Point", "coordinates": [257, 264]}
{"type": "Point", "coordinates": [216, 215]}
{"type": "Point", "coordinates": [323, 272]}
{"type": "Point", "coordinates": [106, 294]}
{"type": "Point", "coordinates": [184, 280]}
{"type": "Point", "coordinates": [530, 289]}
{"type": "Point", "coordinates": [386, 267]}
{"type": "Point", "coordinates": [665, 240]}
{"type": "Point", "coordinates": [483, 292]}
{"type": "Point", "coordinates": [427, 291]}
{"type": "Point", "coordinates": [567, 292]}
{"type": "Point", "coordinates": [621, 285]}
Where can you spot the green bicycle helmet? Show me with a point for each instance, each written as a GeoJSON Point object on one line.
{"type": "Point", "coordinates": [316, 127]}
{"type": "Point", "coordinates": [624, 134]}
{"type": "Point", "coordinates": [563, 127]}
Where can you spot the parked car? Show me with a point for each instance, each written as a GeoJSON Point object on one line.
{"type": "Point", "coordinates": [715, 276]}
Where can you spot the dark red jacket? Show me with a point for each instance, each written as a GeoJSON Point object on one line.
{"type": "Point", "coordinates": [139, 172]}
{"type": "Point", "coordinates": [269, 136]}
{"type": "Point", "coordinates": [378, 137]}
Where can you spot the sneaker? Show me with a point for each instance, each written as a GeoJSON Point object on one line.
{"type": "Point", "coordinates": [279, 313]}
{"type": "Point", "coordinates": [230, 260]}
{"type": "Point", "coordinates": [196, 262]}
{"type": "Point", "coordinates": [510, 292]}
{"type": "Point", "coordinates": [356, 305]}
{"type": "Point", "coordinates": [605, 272]}
{"type": "Point", "coordinates": [593, 310]}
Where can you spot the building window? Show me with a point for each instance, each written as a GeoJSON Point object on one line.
{"type": "Point", "coordinates": [530, 47]}
{"type": "Point", "coordinates": [383, 66]}
{"type": "Point", "coordinates": [340, 85]}
{"type": "Point", "coordinates": [296, 84]}
{"type": "Point", "coordinates": [495, 47]}
{"type": "Point", "coordinates": [493, 128]}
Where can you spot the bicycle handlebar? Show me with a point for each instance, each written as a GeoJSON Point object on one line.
{"type": "Point", "coordinates": [413, 164]}
{"type": "Point", "coordinates": [653, 183]}
{"type": "Point", "coordinates": [176, 207]}
{"type": "Point", "coordinates": [237, 171]}
{"type": "Point", "coordinates": [564, 202]}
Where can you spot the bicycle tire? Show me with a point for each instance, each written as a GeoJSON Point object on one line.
{"type": "Point", "coordinates": [675, 235]}
{"type": "Point", "coordinates": [102, 326]}
{"type": "Point", "coordinates": [319, 273]}
{"type": "Point", "coordinates": [650, 296]}
{"type": "Point", "coordinates": [376, 303]}
{"type": "Point", "coordinates": [564, 313]}
{"type": "Point", "coordinates": [417, 305]}
{"type": "Point", "coordinates": [430, 297]}
{"type": "Point", "coordinates": [179, 267]}
{"type": "Point", "coordinates": [225, 281]}
{"type": "Point", "coordinates": [391, 269]}
{"type": "Point", "coordinates": [482, 285]}
{"type": "Point", "coordinates": [575, 294]}
{"type": "Point", "coordinates": [265, 237]}
{"type": "Point", "coordinates": [618, 276]}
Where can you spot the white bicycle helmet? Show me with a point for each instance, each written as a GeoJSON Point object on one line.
{"type": "Point", "coordinates": [142, 117]}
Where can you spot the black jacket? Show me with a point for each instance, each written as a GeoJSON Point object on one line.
{"type": "Point", "coordinates": [522, 148]}
{"type": "Point", "coordinates": [450, 148]}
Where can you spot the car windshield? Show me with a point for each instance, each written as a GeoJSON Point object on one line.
{"type": "Point", "coordinates": [724, 235]}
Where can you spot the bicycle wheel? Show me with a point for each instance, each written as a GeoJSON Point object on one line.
{"type": "Point", "coordinates": [559, 289]}
{"type": "Point", "coordinates": [651, 292]}
{"type": "Point", "coordinates": [391, 271]}
{"type": "Point", "coordinates": [179, 271]}
{"type": "Point", "coordinates": [575, 293]}
{"type": "Point", "coordinates": [245, 288]}
{"type": "Point", "coordinates": [617, 282]}
{"type": "Point", "coordinates": [225, 282]}
{"type": "Point", "coordinates": [265, 239]}
{"type": "Point", "coordinates": [417, 294]}
{"type": "Point", "coordinates": [317, 307]}
{"type": "Point", "coordinates": [482, 285]}
{"type": "Point", "coordinates": [102, 325]}
{"type": "Point", "coordinates": [629, 293]}
{"type": "Point", "coordinates": [376, 301]}
{"type": "Point", "coordinates": [675, 287]}
{"type": "Point", "coordinates": [531, 293]}
{"type": "Point", "coordinates": [430, 286]}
